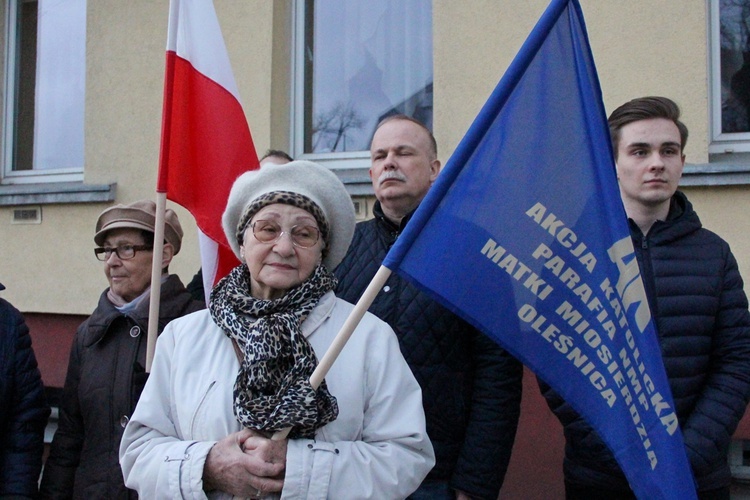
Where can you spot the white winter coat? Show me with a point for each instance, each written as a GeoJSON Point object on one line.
{"type": "Point", "coordinates": [376, 448]}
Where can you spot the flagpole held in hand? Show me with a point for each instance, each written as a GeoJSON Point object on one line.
{"type": "Point", "coordinates": [342, 337]}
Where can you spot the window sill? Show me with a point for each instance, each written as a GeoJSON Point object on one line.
{"type": "Point", "coordinates": [56, 193]}
{"type": "Point", "coordinates": [353, 169]}
{"type": "Point", "coordinates": [724, 170]}
{"type": "Point", "coordinates": [356, 180]}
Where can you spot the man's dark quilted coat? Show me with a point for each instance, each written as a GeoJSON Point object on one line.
{"type": "Point", "coordinates": [471, 388]}
{"type": "Point", "coordinates": [696, 295]}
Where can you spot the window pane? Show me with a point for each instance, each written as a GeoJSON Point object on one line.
{"type": "Point", "coordinates": [364, 61]}
{"type": "Point", "coordinates": [735, 65]}
{"type": "Point", "coordinates": [23, 146]}
{"type": "Point", "coordinates": [50, 85]}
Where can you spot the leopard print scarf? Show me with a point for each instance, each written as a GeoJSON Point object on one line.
{"type": "Point", "coordinates": [272, 390]}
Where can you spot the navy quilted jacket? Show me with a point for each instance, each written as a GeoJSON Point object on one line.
{"type": "Point", "coordinates": [696, 295]}
{"type": "Point", "coordinates": [471, 388]}
{"type": "Point", "coordinates": [23, 407]}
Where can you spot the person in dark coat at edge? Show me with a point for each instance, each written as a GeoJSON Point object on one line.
{"type": "Point", "coordinates": [471, 387]}
{"type": "Point", "coordinates": [23, 408]}
{"type": "Point", "coordinates": [696, 297]}
{"type": "Point", "coordinates": [106, 371]}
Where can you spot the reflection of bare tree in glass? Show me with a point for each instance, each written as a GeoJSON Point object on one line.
{"type": "Point", "coordinates": [334, 125]}
{"type": "Point", "coordinates": [734, 22]}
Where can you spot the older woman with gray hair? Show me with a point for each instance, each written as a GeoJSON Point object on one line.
{"type": "Point", "coordinates": [106, 368]}
{"type": "Point", "coordinates": [225, 380]}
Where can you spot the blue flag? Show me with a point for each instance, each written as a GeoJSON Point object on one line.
{"type": "Point", "coordinates": [524, 236]}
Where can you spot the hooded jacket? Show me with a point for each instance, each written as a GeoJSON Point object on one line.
{"type": "Point", "coordinates": [104, 381]}
{"type": "Point", "coordinates": [471, 388]}
{"type": "Point", "coordinates": [696, 296]}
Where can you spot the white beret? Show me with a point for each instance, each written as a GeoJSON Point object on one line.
{"type": "Point", "coordinates": [309, 179]}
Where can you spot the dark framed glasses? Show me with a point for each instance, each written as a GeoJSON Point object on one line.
{"type": "Point", "coordinates": [123, 252]}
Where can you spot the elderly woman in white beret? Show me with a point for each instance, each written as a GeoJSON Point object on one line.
{"type": "Point", "coordinates": [225, 380]}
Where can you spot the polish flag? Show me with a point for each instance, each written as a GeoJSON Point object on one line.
{"type": "Point", "coordinates": [205, 141]}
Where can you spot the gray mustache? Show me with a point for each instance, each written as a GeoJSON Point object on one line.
{"type": "Point", "coordinates": [391, 174]}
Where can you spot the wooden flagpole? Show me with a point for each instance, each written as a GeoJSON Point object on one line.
{"type": "Point", "coordinates": [342, 337]}
{"type": "Point", "coordinates": [153, 310]}
{"type": "Point", "coordinates": [161, 192]}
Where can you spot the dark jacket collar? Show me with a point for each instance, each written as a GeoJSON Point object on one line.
{"type": "Point", "coordinates": [377, 211]}
{"type": "Point", "coordinates": [681, 220]}
{"type": "Point", "coordinates": [106, 313]}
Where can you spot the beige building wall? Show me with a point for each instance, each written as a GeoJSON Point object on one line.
{"type": "Point", "coordinates": [641, 47]}
{"type": "Point", "coordinates": [644, 47]}
{"type": "Point", "coordinates": [50, 267]}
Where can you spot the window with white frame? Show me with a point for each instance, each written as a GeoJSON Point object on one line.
{"type": "Point", "coordinates": [730, 76]}
{"type": "Point", "coordinates": [45, 70]}
{"type": "Point", "coordinates": [356, 62]}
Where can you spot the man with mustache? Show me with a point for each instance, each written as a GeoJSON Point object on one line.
{"type": "Point", "coordinates": [471, 388]}
{"type": "Point", "coordinates": [696, 297]}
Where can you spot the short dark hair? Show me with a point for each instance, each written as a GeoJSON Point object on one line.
{"type": "Point", "coordinates": [390, 118]}
{"type": "Point", "coordinates": [277, 153]}
{"type": "Point", "coordinates": [645, 108]}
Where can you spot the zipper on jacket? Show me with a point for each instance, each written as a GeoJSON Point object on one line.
{"type": "Point", "coordinates": [647, 276]}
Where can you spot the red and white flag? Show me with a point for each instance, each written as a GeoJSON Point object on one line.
{"type": "Point", "coordinates": [205, 142]}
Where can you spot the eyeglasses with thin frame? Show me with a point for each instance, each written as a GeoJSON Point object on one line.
{"type": "Point", "coordinates": [303, 236]}
{"type": "Point", "coordinates": [123, 252]}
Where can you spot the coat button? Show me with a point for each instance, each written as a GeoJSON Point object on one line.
{"type": "Point", "coordinates": [124, 421]}
{"type": "Point", "coordinates": [386, 288]}
{"type": "Point", "coordinates": [135, 331]}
